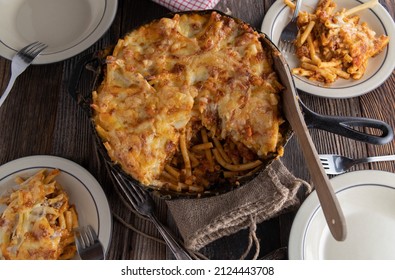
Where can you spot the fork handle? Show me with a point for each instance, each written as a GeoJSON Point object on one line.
{"type": "Point", "coordinates": [178, 251]}
{"type": "Point", "coordinates": [374, 159]}
{"type": "Point", "coordinates": [296, 11]}
{"type": "Point", "coordinates": [8, 89]}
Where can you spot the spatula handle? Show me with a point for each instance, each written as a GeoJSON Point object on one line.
{"type": "Point", "coordinates": [328, 200]}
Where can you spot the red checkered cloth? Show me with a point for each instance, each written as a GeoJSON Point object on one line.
{"type": "Point", "coordinates": [187, 5]}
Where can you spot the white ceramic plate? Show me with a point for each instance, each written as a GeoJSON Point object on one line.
{"type": "Point", "coordinates": [367, 199]}
{"type": "Point", "coordinates": [84, 190]}
{"type": "Point", "coordinates": [379, 67]}
{"type": "Point", "coordinates": [67, 27]}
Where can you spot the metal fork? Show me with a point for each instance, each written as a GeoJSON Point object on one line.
{"type": "Point", "coordinates": [20, 62]}
{"type": "Point", "coordinates": [335, 164]}
{"type": "Point", "coordinates": [290, 31]}
{"type": "Point", "coordinates": [144, 204]}
{"type": "Point", "coordinates": [88, 244]}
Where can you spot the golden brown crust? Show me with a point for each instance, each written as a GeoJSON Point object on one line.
{"type": "Point", "coordinates": [34, 226]}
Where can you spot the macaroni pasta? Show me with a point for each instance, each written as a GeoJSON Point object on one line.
{"type": "Point", "coordinates": [334, 44]}
{"type": "Point", "coordinates": [38, 221]}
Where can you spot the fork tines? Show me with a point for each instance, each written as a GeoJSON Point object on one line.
{"type": "Point", "coordinates": [88, 244]}
{"type": "Point", "coordinates": [31, 51]}
{"type": "Point", "coordinates": [20, 62]}
{"type": "Point", "coordinates": [85, 237]}
{"type": "Point", "coordinates": [325, 163]}
{"type": "Point", "coordinates": [287, 46]}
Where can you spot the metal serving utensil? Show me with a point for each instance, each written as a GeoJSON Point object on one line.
{"type": "Point", "coordinates": [143, 203]}
{"type": "Point", "coordinates": [335, 164]}
{"type": "Point", "coordinates": [88, 244]}
{"type": "Point", "coordinates": [288, 35]}
{"type": "Point", "coordinates": [20, 62]}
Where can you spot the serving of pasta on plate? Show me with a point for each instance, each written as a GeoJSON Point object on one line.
{"type": "Point", "coordinates": [333, 43]}
{"type": "Point", "coordinates": [344, 48]}
{"type": "Point", "coordinates": [38, 221]}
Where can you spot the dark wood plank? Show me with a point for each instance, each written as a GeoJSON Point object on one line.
{"type": "Point", "coordinates": [29, 113]}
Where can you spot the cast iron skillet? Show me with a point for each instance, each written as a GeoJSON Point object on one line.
{"type": "Point", "coordinates": [344, 126]}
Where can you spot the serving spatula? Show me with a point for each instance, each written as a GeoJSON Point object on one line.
{"type": "Point", "coordinates": [328, 200]}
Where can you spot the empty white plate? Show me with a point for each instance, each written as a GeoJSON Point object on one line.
{"type": "Point", "coordinates": [67, 27]}
{"type": "Point", "coordinates": [367, 199]}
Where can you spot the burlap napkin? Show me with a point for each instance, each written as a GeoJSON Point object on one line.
{"type": "Point", "coordinates": [202, 221]}
{"type": "Point", "coordinates": [187, 5]}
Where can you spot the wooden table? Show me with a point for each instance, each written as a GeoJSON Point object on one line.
{"type": "Point", "coordinates": [40, 117]}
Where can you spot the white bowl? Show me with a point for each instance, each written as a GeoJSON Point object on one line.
{"type": "Point", "coordinates": [68, 27]}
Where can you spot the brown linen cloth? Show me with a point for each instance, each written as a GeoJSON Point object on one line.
{"type": "Point", "coordinates": [202, 221]}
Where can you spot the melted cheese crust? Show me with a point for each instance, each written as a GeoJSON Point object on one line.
{"type": "Point", "coordinates": [29, 226]}
{"type": "Point", "coordinates": [175, 72]}
{"type": "Point", "coordinates": [337, 37]}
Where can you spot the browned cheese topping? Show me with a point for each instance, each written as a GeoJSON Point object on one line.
{"type": "Point", "coordinates": [181, 78]}
{"type": "Point", "coordinates": [38, 221]}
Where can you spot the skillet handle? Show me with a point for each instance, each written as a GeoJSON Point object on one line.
{"type": "Point", "coordinates": [344, 126]}
{"type": "Point", "coordinates": [90, 62]}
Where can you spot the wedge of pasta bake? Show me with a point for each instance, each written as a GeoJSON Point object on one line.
{"type": "Point", "coordinates": [38, 221]}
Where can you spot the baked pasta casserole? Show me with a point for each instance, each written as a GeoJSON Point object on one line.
{"type": "Point", "coordinates": [189, 102]}
{"type": "Point", "coordinates": [38, 221]}
{"type": "Point", "coordinates": [332, 43]}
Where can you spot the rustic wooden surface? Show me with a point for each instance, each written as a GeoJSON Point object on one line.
{"type": "Point", "coordinates": [40, 117]}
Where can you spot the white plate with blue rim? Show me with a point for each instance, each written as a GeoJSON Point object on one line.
{"type": "Point", "coordinates": [83, 189]}
{"type": "Point", "coordinates": [379, 68]}
{"type": "Point", "coordinates": [367, 199]}
{"type": "Point", "coordinates": [67, 27]}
